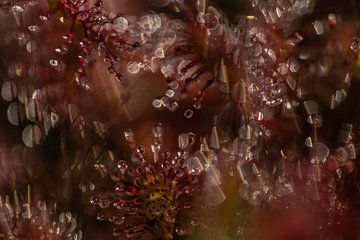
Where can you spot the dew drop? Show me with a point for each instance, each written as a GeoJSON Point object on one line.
{"type": "Point", "coordinates": [8, 91]}
{"type": "Point", "coordinates": [34, 28]}
{"type": "Point", "coordinates": [100, 217]}
{"type": "Point", "coordinates": [31, 46]}
{"type": "Point", "coordinates": [54, 62]}
{"type": "Point", "coordinates": [157, 103]}
{"type": "Point", "coordinates": [197, 105]}
{"type": "Point", "coordinates": [31, 135]}
{"type": "Point", "coordinates": [120, 24]}
{"type": "Point", "coordinates": [188, 113]}
{"type": "Point", "coordinates": [133, 67]}
{"type": "Point", "coordinates": [159, 53]}
{"type": "Point", "coordinates": [65, 217]}
{"type": "Point", "coordinates": [15, 113]}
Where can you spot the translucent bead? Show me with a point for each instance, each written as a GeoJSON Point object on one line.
{"type": "Point", "coordinates": [122, 166]}
{"type": "Point", "coordinates": [194, 166]}
{"type": "Point", "coordinates": [133, 67]}
{"type": "Point", "coordinates": [31, 135]}
{"type": "Point", "coordinates": [197, 105]}
{"type": "Point", "coordinates": [16, 9]}
{"type": "Point", "coordinates": [157, 103]}
{"type": "Point", "coordinates": [174, 85]}
{"type": "Point", "coordinates": [34, 28]}
{"type": "Point", "coordinates": [345, 133]}
{"type": "Point", "coordinates": [211, 21]}
{"type": "Point", "coordinates": [311, 107]}
{"type": "Point", "coordinates": [54, 62]}
{"type": "Point", "coordinates": [283, 68]}
{"type": "Point", "coordinates": [157, 21]}
{"type": "Point", "coordinates": [169, 38]}
{"type": "Point", "coordinates": [284, 187]}
{"type": "Point", "coordinates": [319, 152]}
{"type": "Point", "coordinates": [320, 27]}
{"type": "Point", "coordinates": [294, 65]}
{"type": "Point", "coordinates": [183, 141]}
{"type": "Point", "coordinates": [65, 217]}
{"type": "Point", "coordinates": [8, 91]}
{"type": "Point", "coordinates": [120, 24]}
{"type": "Point", "coordinates": [173, 106]}
{"type": "Point", "coordinates": [31, 46]}
{"type": "Point", "coordinates": [180, 231]}
{"type": "Point", "coordinates": [15, 113]}
{"type": "Point", "coordinates": [188, 113]}
{"type": "Point", "coordinates": [170, 93]}
{"type": "Point", "coordinates": [100, 217]}
{"type": "Point", "coordinates": [159, 52]}
{"type": "Point", "coordinates": [291, 81]}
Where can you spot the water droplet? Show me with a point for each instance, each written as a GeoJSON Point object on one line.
{"type": "Point", "coordinates": [133, 67]}
{"type": "Point", "coordinates": [311, 107]}
{"type": "Point", "coordinates": [319, 152]}
{"type": "Point", "coordinates": [120, 24]}
{"type": "Point", "coordinates": [174, 85]}
{"type": "Point", "coordinates": [32, 109]}
{"type": "Point", "coordinates": [54, 118]}
{"type": "Point", "coordinates": [211, 20]}
{"type": "Point", "coordinates": [104, 203]}
{"type": "Point", "coordinates": [54, 62]}
{"type": "Point", "coordinates": [31, 46]}
{"type": "Point", "coordinates": [332, 19]}
{"type": "Point", "coordinates": [308, 142]}
{"type": "Point", "coordinates": [122, 166]}
{"type": "Point", "coordinates": [159, 52]}
{"type": "Point", "coordinates": [100, 217]}
{"type": "Point", "coordinates": [8, 91]}
{"type": "Point", "coordinates": [283, 68]}
{"type": "Point", "coordinates": [170, 93]}
{"type": "Point", "coordinates": [173, 106]}
{"type": "Point", "coordinates": [197, 105]}
{"type": "Point", "coordinates": [16, 9]}
{"type": "Point", "coordinates": [31, 135]}
{"type": "Point", "coordinates": [320, 27]}
{"type": "Point", "coordinates": [65, 217]}
{"type": "Point", "coordinates": [188, 113]}
{"type": "Point", "coordinates": [271, 53]}
{"type": "Point", "coordinates": [194, 165]}
{"type": "Point", "coordinates": [294, 65]}
{"type": "Point", "coordinates": [43, 18]}
{"type": "Point", "coordinates": [16, 70]}
{"type": "Point", "coordinates": [183, 141]}
{"type": "Point", "coordinates": [180, 231]}
{"type": "Point", "coordinates": [157, 103]}
{"type": "Point", "coordinates": [34, 28]}
{"type": "Point", "coordinates": [15, 113]}
{"type": "Point", "coordinates": [291, 82]}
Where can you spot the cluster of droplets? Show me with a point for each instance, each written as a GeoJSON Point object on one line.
{"type": "Point", "coordinates": [27, 220]}
{"type": "Point", "coordinates": [151, 43]}
{"type": "Point", "coordinates": [23, 86]}
{"type": "Point", "coordinates": [151, 195]}
{"type": "Point", "coordinates": [285, 14]}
